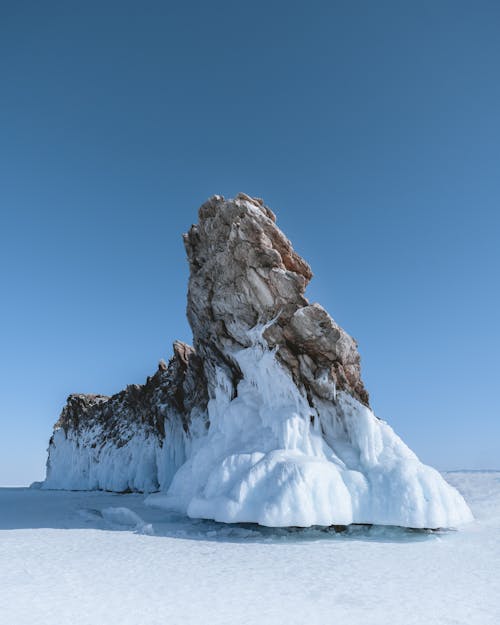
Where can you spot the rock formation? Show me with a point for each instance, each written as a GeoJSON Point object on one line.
{"type": "Point", "coordinates": [244, 272]}
{"type": "Point", "coordinates": [266, 419]}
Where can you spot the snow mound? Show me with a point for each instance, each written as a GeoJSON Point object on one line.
{"type": "Point", "coordinates": [272, 459]}
{"type": "Point", "coordinates": [124, 518]}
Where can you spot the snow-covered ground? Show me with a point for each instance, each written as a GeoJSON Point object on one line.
{"type": "Point", "coordinates": [103, 559]}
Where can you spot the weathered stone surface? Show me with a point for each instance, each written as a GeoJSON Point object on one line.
{"type": "Point", "coordinates": [172, 392]}
{"type": "Point", "coordinates": [243, 272]}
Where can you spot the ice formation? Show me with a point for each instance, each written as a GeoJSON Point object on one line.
{"type": "Point", "coordinates": [267, 419]}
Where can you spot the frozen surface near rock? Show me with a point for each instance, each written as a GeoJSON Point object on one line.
{"type": "Point", "coordinates": [266, 419]}
{"type": "Point", "coordinates": [61, 562]}
{"type": "Point", "coordinates": [124, 518]}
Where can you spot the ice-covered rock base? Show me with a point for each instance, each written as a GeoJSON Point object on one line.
{"type": "Point", "coordinates": [270, 458]}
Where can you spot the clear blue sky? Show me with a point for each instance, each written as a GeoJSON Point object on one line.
{"type": "Point", "coordinates": [371, 128]}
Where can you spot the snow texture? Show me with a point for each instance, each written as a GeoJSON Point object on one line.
{"type": "Point", "coordinates": [61, 561]}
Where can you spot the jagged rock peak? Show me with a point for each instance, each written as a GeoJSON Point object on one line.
{"type": "Point", "coordinates": [243, 272]}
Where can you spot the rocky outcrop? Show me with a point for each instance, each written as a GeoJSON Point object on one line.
{"type": "Point", "coordinates": [133, 440]}
{"type": "Point", "coordinates": [175, 391]}
{"type": "Point", "coordinates": [266, 418]}
{"type": "Point", "coordinates": [244, 272]}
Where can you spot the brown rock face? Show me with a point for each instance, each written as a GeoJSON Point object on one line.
{"type": "Point", "coordinates": [244, 272]}
{"type": "Point", "coordinates": [174, 391]}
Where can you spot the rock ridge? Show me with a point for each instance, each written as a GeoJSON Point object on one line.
{"type": "Point", "coordinates": [244, 272]}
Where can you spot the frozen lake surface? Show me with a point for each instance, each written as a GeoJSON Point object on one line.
{"type": "Point", "coordinates": [93, 558]}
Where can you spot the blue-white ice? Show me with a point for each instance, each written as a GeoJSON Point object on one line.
{"type": "Point", "coordinates": [269, 458]}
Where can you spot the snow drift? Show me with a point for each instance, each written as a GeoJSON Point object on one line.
{"type": "Point", "coordinates": [267, 419]}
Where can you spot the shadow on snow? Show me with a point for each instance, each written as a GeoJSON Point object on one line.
{"type": "Point", "coordinates": [24, 508]}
